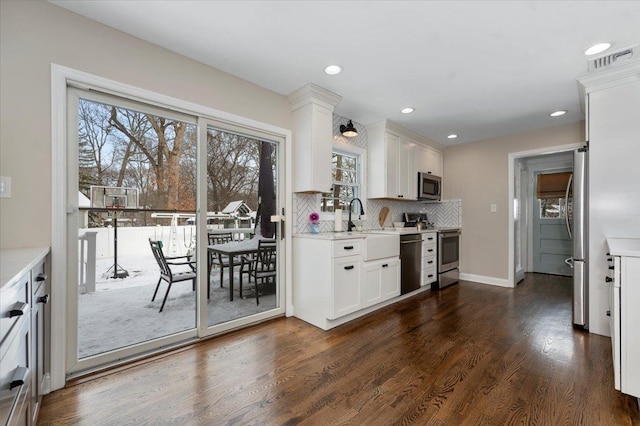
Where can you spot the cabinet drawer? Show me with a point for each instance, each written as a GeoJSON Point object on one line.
{"type": "Point", "coordinates": [347, 247]}
{"type": "Point", "coordinates": [429, 275]}
{"type": "Point", "coordinates": [428, 250]}
{"type": "Point", "coordinates": [429, 262]}
{"type": "Point", "coordinates": [430, 239]}
{"type": "Point", "coordinates": [14, 373]}
{"type": "Point", "coordinates": [14, 305]}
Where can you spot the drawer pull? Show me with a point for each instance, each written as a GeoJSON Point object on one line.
{"type": "Point", "coordinates": [612, 267]}
{"type": "Point", "coordinates": [43, 299]}
{"type": "Point", "coordinates": [608, 279]}
{"type": "Point", "coordinates": [19, 311]}
{"type": "Point", "coordinates": [386, 265]}
{"type": "Point", "coordinates": [430, 238]}
{"type": "Point", "coordinates": [41, 277]}
{"type": "Point", "coordinates": [430, 262]}
{"type": "Point", "coordinates": [348, 247]}
{"type": "Point", "coordinates": [400, 196]}
{"type": "Point", "coordinates": [430, 250]}
{"type": "Point", "coordinates": [430, 275]}
{"type": "Point", "coordinates": [19, 377]}
{"type": "Point", "coordinates": [348, 267]}
{"type": "Point", "coordinates": [608, 313]}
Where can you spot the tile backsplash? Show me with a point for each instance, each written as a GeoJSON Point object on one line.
{"type": "Point", "coordinates": [446, 213]}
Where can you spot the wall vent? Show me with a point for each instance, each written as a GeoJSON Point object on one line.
{"type": "Point", "coordinates": [614, 58]}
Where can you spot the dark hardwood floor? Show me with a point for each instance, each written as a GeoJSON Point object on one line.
{"type": "Point", "coordinates": [470, 354]}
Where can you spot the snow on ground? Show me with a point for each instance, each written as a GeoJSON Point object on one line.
{"type": "Point", "coordinates": [120, 312]}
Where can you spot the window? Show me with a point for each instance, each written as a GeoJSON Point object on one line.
{"type": "Point", "coordinates": [346, 174]}
{"type": "Point", "coordinates": [551, 191]}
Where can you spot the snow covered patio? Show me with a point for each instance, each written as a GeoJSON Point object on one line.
{"type": "Point", "coordinates": [120, 312]}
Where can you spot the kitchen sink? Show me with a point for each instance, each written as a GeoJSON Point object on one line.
{"type": "Point", "coordinates": [380, 246]}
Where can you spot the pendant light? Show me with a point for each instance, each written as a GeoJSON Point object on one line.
{"type": "Point", "coordinates": [348, 131]}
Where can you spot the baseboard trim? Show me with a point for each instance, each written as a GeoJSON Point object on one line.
{"type": "Point", "coordinates": [500, 282]}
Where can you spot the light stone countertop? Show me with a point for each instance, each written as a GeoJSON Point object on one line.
{"type": "Point", "coordinates": [14, 263]}
{"type": "Point", "coordinates": [624, 246]}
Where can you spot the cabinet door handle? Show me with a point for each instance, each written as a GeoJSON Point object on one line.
{"type": "Point", "coordinates": [348, 247]}
{"type": "Point", "coordinates": [41, 277]}
{"type": "Point", "coordinates": [608, 279]}
{"type": "Point", "coordinates": [400, 196]}
{"type": "Point", "coordinates": [43, 299]}
{"type": "Point", "coordinates": [430, 275]}
{"type": "Point", "coordinates": [608, 313]}
{"type": "Point", "coordinates": [386, 265]}
{"type": "Point", "coordinates": [348, 267]}
{"type": "Point", "coordinates": [20, 310]}
{"type": "Point", "coordinates": [430, 250]}
{"type": "Point", "coordinates": [430, 238]}
{"type": "Point", "coordinates": [19, 377]}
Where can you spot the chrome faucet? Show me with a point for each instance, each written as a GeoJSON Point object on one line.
{"type": "Point", "coordinates": [350, 224]}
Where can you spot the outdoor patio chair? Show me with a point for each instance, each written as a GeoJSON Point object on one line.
{"type": "Point", "coordinates": [218, 259]}
{"type": "Point", "coordinates": [167, 274]}
{"type": "Point", "coordinates": [261, 266]}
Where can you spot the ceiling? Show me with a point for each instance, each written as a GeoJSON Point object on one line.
{"type": "Point", "coordinates": [478, 69]}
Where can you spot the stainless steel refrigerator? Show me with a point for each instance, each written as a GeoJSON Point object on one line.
{"type": "Point", "coordinates": [578, 226]}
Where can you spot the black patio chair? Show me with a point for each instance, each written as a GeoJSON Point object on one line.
{"type": "Point", "coordinates": [221, 261]}
{"type": "Point", "coordinates": [167, 274]}
{"type": "Point", "coordinates": [261, 266]}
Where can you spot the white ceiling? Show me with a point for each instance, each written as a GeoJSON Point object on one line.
{"type": "Point", "coordinates": [476, 68]}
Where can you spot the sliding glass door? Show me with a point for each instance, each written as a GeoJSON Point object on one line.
{"type": "Point", "coordinates": [169, 228]}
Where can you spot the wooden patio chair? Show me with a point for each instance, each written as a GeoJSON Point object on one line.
{"type": "Point", "coordinates": [167, 274]}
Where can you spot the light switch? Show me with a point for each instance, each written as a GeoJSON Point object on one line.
{"type": "Point", "coordinates": [5, 187]}
{"type": "Point", "coordinates": [494, 208]}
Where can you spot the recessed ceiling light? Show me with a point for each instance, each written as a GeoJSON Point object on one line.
{"type": "Point", "coordinates": [558, 113]}
{"type": "Point", "coordinates": [407, 110]}
{"type": "Point", "coordinates": [333, 69]}
{"type": "Point", "coordinates": [452, 136]}
{"type": "Point", "coordinates": [597, 48]}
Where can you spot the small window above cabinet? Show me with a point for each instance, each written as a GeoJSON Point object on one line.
{"type": "Point", "coordinates": [312, 108]}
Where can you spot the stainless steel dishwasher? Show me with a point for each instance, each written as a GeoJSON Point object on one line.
{"type": "Point", "coordinates": [410, 262]}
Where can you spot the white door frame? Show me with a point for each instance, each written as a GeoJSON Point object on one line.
{"type": "Point", "coordinates": [512, 157]}
{"type": "Point", "coordinates": [60, 206]}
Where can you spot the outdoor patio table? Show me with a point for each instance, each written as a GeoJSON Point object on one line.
{"type": "Point", "coordinates": [233, 249]}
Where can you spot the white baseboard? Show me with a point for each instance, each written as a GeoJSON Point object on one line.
{"type": "Point", "coordinates": [500, 282]}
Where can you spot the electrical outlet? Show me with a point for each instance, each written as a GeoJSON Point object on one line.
{"type": "Point", "coordinates": [5, 187]}
{"type": "Point", "coordinates": [494, 208]}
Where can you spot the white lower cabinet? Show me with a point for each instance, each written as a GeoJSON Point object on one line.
{"type": "Point", "coordinates": [380, 280]}
{"type": "Point", "coordinates": [346, 287]}
{"type": "Point", "coordinates": [429, 258]}
{"type": "Point", "coordinates": [332, 284]}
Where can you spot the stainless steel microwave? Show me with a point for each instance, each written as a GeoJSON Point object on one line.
{"type": "Point", "coordinates": [429, 187]}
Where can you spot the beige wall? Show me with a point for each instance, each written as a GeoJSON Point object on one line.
{"type": "Point", "coordinates": [477, 173]}
{"type": "Point", "coordinates": [34, 34]}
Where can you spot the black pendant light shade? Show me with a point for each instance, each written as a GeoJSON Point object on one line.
{"type": "Point", "coordinates": [348, 131]}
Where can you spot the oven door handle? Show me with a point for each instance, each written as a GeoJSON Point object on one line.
{"type": "Point", "coordinates": [449, 234]}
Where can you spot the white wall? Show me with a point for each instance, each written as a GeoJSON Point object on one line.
{"type": "Point", "coordinates": [35, 34]}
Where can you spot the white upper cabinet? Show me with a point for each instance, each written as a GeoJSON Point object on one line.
{"type": "Point", "coordinates": [429, 160]}
{"type": "Point", "coordinates": [394, 162]}
{"type": "Point", "coordinates": [312, 108]}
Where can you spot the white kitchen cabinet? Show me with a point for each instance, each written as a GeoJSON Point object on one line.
{"type": "Point", "coordinates": [392, 168]}
{"type": "Point", "coordinates": [22, 335]}
{"type": "Point", "coordinates": [429, 258]}
{"type": "Point", "coordinates": [336, 280]}
{"type": "Point", "coordinates": [346, 296]}
{"type": "Point", "coordinates": [312, 108]}
{"type": "Point", "coordinates": [380, 280]}
{"type": "Point", "coordinates": [613, 131]}
{"type": "Point", "coordinates": [429, 160]}
{"type": "Point", "coordinates": [624, 281]}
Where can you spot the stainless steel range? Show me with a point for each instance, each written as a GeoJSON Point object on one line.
{"type": "Point", "coordinates": [448, 257]}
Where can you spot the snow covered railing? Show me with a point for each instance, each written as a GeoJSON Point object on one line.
{"type": "Point", "coordinates": [87, 281]}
